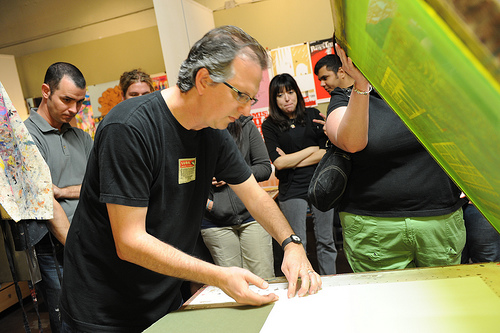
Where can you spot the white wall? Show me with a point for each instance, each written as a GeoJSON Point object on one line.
{"type": "Point", "coordinates": [180, 24]}
{"type": "Point", "coordinates": [10, 80]}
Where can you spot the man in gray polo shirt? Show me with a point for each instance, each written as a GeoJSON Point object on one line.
{"type": "Point", "coordinates": [66, 150]}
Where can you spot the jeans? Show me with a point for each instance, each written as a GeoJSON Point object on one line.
{"type": "Point", "coordinates": [295, 211]}
{"type": "Point", "coordinates": [50, 285]}
{"type": "Point", "coordinates": [483, 241]}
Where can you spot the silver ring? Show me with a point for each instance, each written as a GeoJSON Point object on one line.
{"type": "Point", "coordinates": [310, 272]}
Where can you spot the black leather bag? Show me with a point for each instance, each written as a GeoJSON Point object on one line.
{"type": "Point", "coordinates": [329, 180]}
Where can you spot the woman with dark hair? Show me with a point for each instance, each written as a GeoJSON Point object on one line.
{"type": "Point", "coordinates": [230, 233]}
{"type": "Point", "coordinates": [296, 144]}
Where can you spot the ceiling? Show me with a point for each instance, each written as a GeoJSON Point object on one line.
{"type": "Point", "coordinates": [30, 26]}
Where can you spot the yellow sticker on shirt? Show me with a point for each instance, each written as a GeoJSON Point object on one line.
{"type": "Point", "coordinates": [187, 170]}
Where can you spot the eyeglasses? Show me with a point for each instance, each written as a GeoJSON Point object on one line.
{"type": "Point", "coordinates": [242, 97]}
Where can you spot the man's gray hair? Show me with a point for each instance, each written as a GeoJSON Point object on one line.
{"type": "Point", "coordinates": [216, 51]}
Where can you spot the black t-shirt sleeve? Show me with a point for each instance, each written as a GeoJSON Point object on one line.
{"type": "Point", "coordinates": [125, 166]}
{"type": "Point", "coordinates": [339, 98]}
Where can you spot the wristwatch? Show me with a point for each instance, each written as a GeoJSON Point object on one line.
{"type": "Point", "coordinates": [293, 238]}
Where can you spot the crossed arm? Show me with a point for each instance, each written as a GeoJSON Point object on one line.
{"type": "Point", "coordinates": [305, 157]}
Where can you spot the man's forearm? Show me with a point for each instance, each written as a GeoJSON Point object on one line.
{"type": "Point", "coordinates": [59, 224]}
{"type": "Point", "coordinates": [68, 192]}
{"type": "Point", "coordinates": [267, 213]}
{"type": "Point", "coordinates": [134, 244]}
{"type": "Point", "coordinates": [165, 259]}
{"type": "Point", "coordinates": [263, 209]}
{"type": "Point", "coordinates": [153, 254]}
{"type": "Point", "coordinates": [137, 246]}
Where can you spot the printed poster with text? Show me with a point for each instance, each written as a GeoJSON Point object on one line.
{"type": "Point", "coordinates": [261, 109]}
{"type": "Point", "coordinates": [318, 50]}
{"type": "Point", "coordinates": [296, 61]}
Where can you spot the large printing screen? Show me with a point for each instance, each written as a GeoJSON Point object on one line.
{"type": "Point", "coordinates": [440, 77]}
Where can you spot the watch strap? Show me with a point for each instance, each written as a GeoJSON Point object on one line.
{"type": "Point", "coordinates": [290, 240]}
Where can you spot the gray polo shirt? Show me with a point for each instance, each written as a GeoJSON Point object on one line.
{"type": "Point", "coordinates": [65, 152]}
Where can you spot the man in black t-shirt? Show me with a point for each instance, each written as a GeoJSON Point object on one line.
{"type": "Point", "coordinates": [145, 191]}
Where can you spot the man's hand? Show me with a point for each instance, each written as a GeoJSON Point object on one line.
{"type": "Point", "coordinates": [235, 283]}
{"type": "Point", "coordinates": [462, 195]}
{"type": "Point", "coordinates": [295, 265]}
{"type": "Point", "coordinates": [57, 191]}
{"type": "Point", "coordinates": [321, 122]}
{"type": "Point", "coordinates": [350, 69]}
{"type": "Point", "coordinates": [218, 183]}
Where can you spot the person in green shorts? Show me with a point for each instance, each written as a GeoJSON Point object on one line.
{"type": "Point", "coordinates": [400, 209]}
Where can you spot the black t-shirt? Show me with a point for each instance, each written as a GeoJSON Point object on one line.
{"type": "Point", "coordinates": [142, 157]}
{"type": "Point", "coordinates": [293, 183]}
{"type": "Point", "coordinates": [394, 176]}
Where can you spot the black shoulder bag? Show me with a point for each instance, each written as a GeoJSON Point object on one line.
{"type": "Point", "coordinates": [329, 180]}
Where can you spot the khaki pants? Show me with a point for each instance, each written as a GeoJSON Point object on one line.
{"type": "Point", "coordinates": [247, 245]}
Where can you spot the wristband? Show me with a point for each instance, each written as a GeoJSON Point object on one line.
{"type": "Point", "coordinates": [208, 203]}
{"type": "Point", "coordinates": [362, 92]}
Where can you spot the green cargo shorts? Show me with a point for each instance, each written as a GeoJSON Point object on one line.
{"type": "Point", "coordinates": [379, 243]}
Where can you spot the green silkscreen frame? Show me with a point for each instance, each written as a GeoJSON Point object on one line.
{"type": "Point", "coordinates": [435, 83]}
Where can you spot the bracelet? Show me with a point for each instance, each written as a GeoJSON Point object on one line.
{"type": "Point", "coordinates": [208, 203]}
{"type": "Point", "coordinates": [362, 92]}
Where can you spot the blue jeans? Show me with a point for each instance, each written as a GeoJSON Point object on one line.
{"type": "Point", "coordinates": [483, 241]}
{"type": "Point", "coordinates": [50, 285]}
{"type": "Point", "coordinates": [295, 211]}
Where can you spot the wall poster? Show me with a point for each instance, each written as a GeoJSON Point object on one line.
{"type": "Point", "coordinates": [296, 61]}
{"type": "Point", "coordinates": [318, 50]}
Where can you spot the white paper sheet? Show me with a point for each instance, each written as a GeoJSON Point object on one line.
{"type": "Point", "coordinates": [214, 295]}
{"type": "Point", "coordinates": [445, 305]}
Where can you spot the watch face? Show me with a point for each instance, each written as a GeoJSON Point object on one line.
{"type": "Point", "coordinates": [296, 239]}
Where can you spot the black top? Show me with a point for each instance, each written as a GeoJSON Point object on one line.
{"type": "Point", "coordinates": [394, 176]}
{"type": "Point", "coordinates": [293, 183]}
{"type": "Point", "coordinates": [142, 157]}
